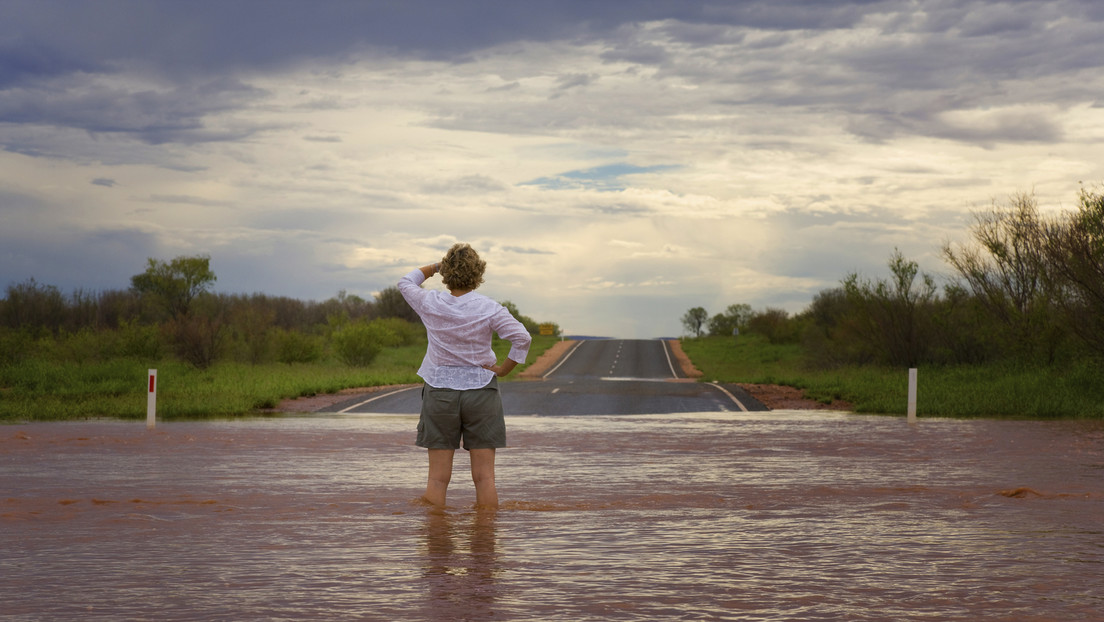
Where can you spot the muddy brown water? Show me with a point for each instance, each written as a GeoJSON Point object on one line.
{"type": "Point", "coordinates": [784, 515]}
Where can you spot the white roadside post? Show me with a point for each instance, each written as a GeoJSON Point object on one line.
{"type": "Point", "coordinates": [912, 396]}
{"type": "Point", "coordinates": [151, 400]}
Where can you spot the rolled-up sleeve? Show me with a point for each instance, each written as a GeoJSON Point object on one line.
{"type": "Point", "coordinates": [410, 286]}
{"type": "Point", "coordinates": [459, 331]}
{"type": "Point", "coordinates": [508, 328]}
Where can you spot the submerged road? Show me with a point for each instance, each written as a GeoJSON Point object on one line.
{"type": "Point", "coordinates": [594, 377]}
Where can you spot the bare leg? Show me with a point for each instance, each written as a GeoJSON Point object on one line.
{"type": "Point", "coordinates": [440, 473]}
{"type": "Point", "coordinates": [483, 474]}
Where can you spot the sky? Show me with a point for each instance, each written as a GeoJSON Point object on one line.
{"type": "Point", "coordinates": [616, 163]}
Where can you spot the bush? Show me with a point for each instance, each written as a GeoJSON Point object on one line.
{"type": "Point", "coordinates": [357, 344]}
{"type": "Point", "coordinates": [196, 339]}
{"type": "Point", "coordinates": [85, 345]}
{"type": "Point", "coordinates": [140, 341]}
{"type": "Point", "coordinates": [15, 346]}
{"type": "Point", "coordinates": [295, 347]}
{"type": "Point", "coordinates": [405, 333]}
{"type": "Point", "coordinates": [775, 325]}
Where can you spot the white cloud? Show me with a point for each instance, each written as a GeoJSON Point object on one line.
{"type": "Point", "coordinates": [615, 167]}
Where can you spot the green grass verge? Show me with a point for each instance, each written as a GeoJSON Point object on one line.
{"type": "Point", "coordinates": [993, 390]}
{"type": "Point", "coordinates": [40, 389]}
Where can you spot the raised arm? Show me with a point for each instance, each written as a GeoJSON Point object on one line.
{"type": "Point", "coordinates": [430, 270]}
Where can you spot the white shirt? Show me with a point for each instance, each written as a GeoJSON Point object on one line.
{"type": "Point", "coordinates": [459, 330]}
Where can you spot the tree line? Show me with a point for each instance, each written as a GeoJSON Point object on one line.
{"type": "Point", "coordinates": [170, 310]}
{"type": "Point", "coordinates": [1025, 288]}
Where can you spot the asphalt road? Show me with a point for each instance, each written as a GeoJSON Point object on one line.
{"type": "Point", "coordinates": [595, 377]}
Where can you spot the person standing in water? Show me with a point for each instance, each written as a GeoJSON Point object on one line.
{"type": "Point", "coordinates": [460, 398]}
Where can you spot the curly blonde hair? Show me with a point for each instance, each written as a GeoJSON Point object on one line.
{"type": "Point", "coordinates": [461, 267]}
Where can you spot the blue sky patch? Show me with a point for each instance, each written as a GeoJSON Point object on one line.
{"type": "Point", "coordinates": [606, 178]}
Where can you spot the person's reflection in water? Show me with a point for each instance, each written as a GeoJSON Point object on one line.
{"type": "Point", "coordinates": [461, 563]}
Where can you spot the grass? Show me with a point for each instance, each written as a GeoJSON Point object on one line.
{"type": "Point", "coordinates": [40, 389]}
{"type": "Point", "coordinates": [46, 389]}
{"type": "Point", "coordinates": [991, 390]}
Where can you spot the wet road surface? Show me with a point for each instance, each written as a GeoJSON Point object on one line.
{"type": "Point", "coordinates": [595, 377]}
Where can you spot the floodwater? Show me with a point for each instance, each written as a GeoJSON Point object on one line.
{"type": "Point", "coordinates": [783, 515]}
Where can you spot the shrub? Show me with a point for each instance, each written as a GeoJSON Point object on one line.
{"type": "Point", "coordinates": [357, 344]}
{"type": "Point", "coordinates": [295, 347]}
{"type": "Point", "coordinates": [775, 325]}
{"type": "Point", "coordinates": [196, 339]}
{"type": "Point", "coordinates": [15, 346]}
{"type": "Point", "coordinates": [85, 345]}
{"type": "Point", "coordinates": [405, 333]}
{"type": "Point", "coordinates": [140, 341]}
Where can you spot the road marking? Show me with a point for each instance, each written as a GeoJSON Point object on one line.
{"type": "Point", "coordinates": [563, 360]}
{"type": "Point", "coordinates": [730, 395]}
{"type": "Point", "coordinates": [372, 399]}
{"type": "Point", "coordinates": [668, 355]}
{"type": "Point", "coordinates": [616, 357]}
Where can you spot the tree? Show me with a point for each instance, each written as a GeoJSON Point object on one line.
{"type": "Point", "coordinates": [34, 307]}
{"type": "Point", "coordinates": [529, 323]}
{"type": "Point", "coordinates": [173, 285]}
{"type": "Point", "coordinates": [775, 324]}
{"type": "Point", "coordinates": [894, 316]}
{"type": "Point", "coordinates": [1007, 270]}
{"type": "Point", "coordinates": [734, 317]}
{"type": "Point", "coordinates": [831, 336]}
{"type": "Point", "coordinates": [196, 338]}
{"type": "Point", "coordinates": [390, 303]}
{"type": "Point", "coordinates": [694, 320]}
{"type": "Point", "coordinates": [1075, 251]}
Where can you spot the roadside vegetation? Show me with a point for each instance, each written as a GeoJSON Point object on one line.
{"type": "Point", "coordinates": [995, 389]}
{"type": "Point", "coordinates": [86, 354]}
{"type": "Point", "coordinates": [1018, 331]}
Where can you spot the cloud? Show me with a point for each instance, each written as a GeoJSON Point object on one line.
{"type": "Point", "coordinates": [466, 185]}
{"type": "Point", "coordinates": [525, 250]}
{"type": "Point", "coordinates": [188, 200]}
{"type": "Point", "coordinates": [642, 158]}
{"type": "Point", "coordinates": [23, 61]}
{"type": "Point", "coordinates": [152, 115]}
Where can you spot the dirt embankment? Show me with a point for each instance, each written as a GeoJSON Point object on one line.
{"type": "Point", "coordinates": [773, 396]}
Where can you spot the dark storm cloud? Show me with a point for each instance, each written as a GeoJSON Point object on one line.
{"type": "Point", "coordinates": [194, 58]}
{"type": "Point", "coordinates": [171, 115]}
{"type": "Point", "coordinates": [22, 60]}
{"type": "Point", "coordinates": [214, 35]}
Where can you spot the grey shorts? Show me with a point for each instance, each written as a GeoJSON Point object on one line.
{"type": "Point", "coordinates": [474, 415]}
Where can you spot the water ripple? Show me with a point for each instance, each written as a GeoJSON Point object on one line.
{"type": "Point", "coordinates": [771, 516]}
